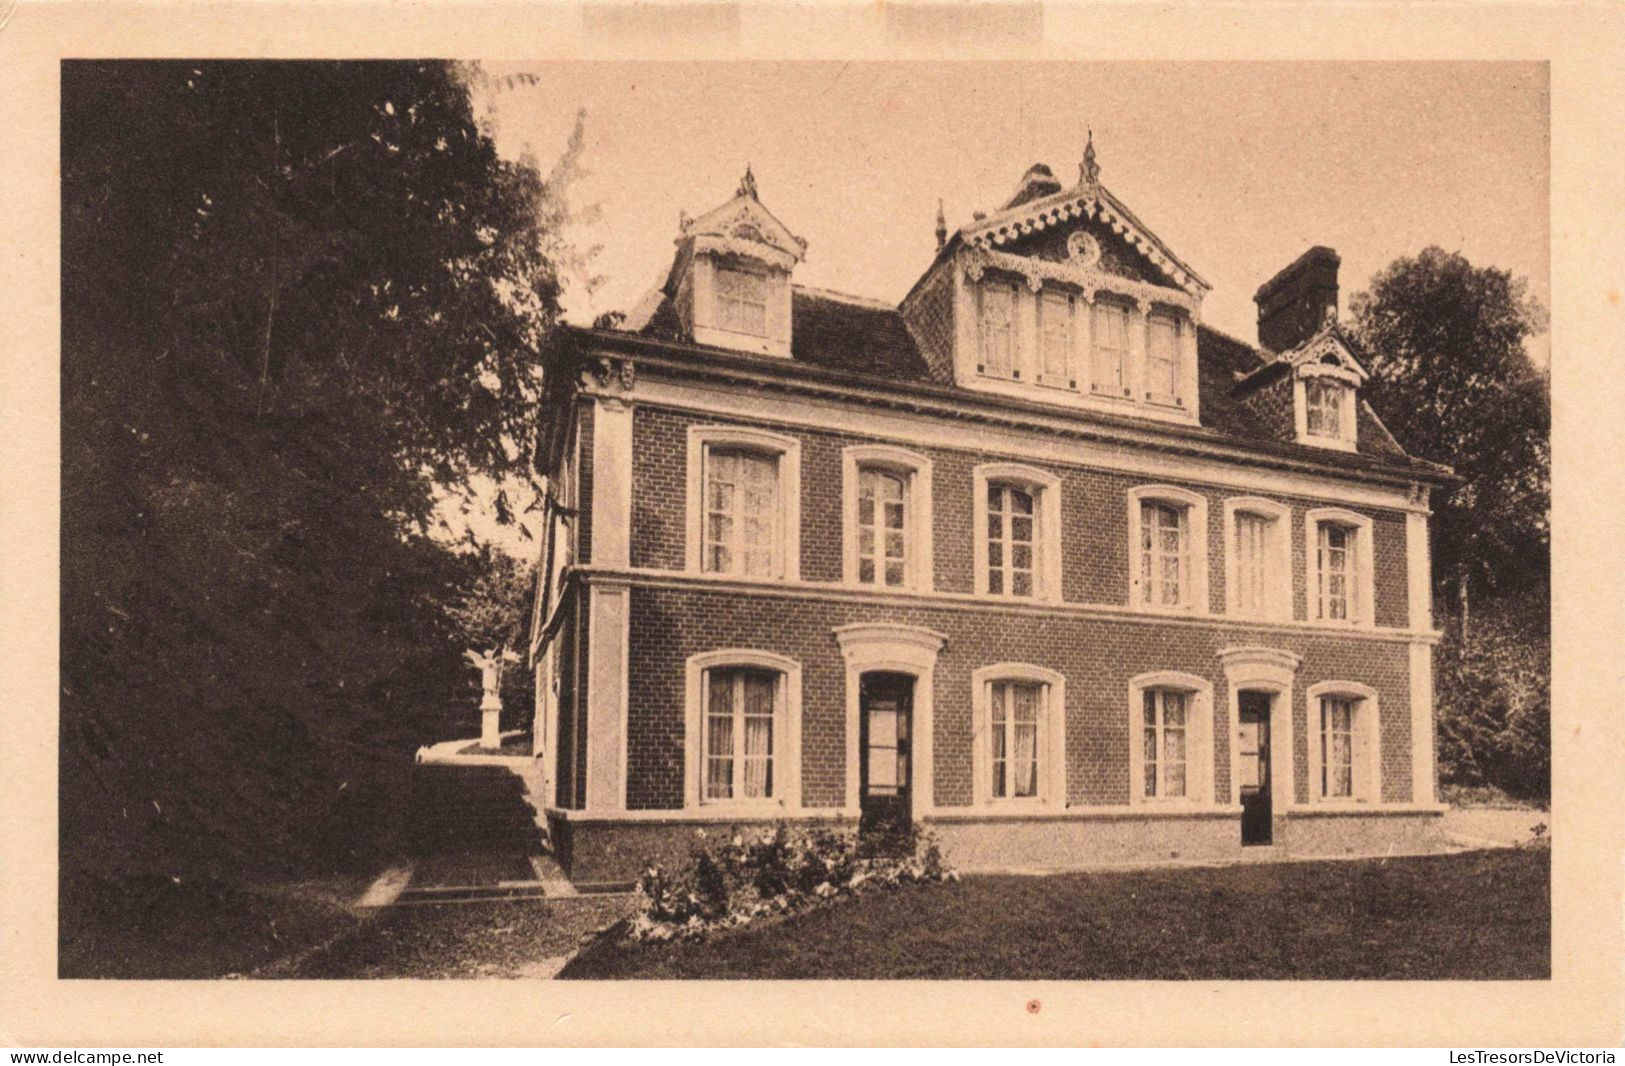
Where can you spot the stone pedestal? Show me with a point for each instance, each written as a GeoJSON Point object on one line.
{"type": "Point", "coordinates": [490, 719]}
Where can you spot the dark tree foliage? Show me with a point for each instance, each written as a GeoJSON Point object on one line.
{"type": "Point", "coordinates": [1452, 379]}
{"type": "Point", "coordinates": [299, 299]}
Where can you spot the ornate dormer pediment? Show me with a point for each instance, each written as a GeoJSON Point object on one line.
{"type": "Point", "coordinates": [745, 228]}
{"type": "Point", "coordinates": [1328, 354]}
{"type": "Point", "coordinates": [1087, 207]}
{"type": "Point", "coordinates": [730, 280]}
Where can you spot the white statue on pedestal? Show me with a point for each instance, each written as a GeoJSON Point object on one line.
{"type": "Point", "coordinates": [490, 667]}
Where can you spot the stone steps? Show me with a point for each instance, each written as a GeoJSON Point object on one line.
{"type": "Point", "coordinates": [473, 807]}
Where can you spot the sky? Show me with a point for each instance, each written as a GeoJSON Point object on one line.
{"type": "Point", "coordinates": [1238, 167]}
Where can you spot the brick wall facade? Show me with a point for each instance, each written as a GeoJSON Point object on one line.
{"type": "Point", "coordinates": [1097, 657]}
{"type": "Point", "coordinates": [1094, 517]}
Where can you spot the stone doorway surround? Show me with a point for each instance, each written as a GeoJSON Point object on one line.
{"type": "Point", "coordinates": [901, 649]}
{"type": "Point", "coordinates": [1254, 668]}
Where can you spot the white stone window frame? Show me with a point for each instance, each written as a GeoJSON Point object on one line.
{"type": "Point", "coordinates": [786, 730]}
{"type": "Point", "coordinates": [1347, 428]}
{"type": "Point", "coordinates": [701, 439]}
{"type": "Point", "coordinates": [1199, 754]}
{"type": "Point", "coordinates": [1277, 557]}
{"type": "Point", "coordinates": [1367, 726]}
{"type": "Point", "coordinates": [1052, 777]}
{"type": "Point", "coordinates": [1046, 491]}
{"type": "Point", "coordinates": [1362, 609]}
{"type": "Point", "coordinates": [917, 518]}
{"type": "Point", "coordinates": [1194, 593]}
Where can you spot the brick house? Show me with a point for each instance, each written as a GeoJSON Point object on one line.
{"type": "Point", "coordinates": [1033, 558]}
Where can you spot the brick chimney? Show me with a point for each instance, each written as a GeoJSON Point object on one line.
{"type": "Point", "coordinates": [1037, 183]}
{"type": "Point", "coordinates": [1292, 306]}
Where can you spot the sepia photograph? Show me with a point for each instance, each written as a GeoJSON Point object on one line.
{"type": "Point", "coordinates": [805, 520]}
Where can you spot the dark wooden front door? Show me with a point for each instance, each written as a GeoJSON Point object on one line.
{"type": "Point", "coordinates": [885, 705]}
{"type": "Point", "coordinates": [1254, 751]}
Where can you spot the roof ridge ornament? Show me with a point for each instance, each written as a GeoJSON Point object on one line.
{"type": "Point", "coordinates": [942, 226]}
{"type": "Point", "coordinates": [747, 184]}
{"type": "Point", "coordinates": [1089, 169]}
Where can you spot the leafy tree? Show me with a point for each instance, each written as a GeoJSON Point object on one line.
{"type": "Point", "coordinates": [1452, 379]}
{"type": "Point", "coordinates": [300, 305]}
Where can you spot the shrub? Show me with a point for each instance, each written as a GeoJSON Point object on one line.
{"type": "Point", "coordinates": [734, 880]}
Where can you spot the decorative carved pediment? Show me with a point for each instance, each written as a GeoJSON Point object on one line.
{"type": "Point", "coordinates": [1088, 280]}
{"type": "Point", "coordinates": [1088, 200]}
{"type": "Point", "coordinates": [1327, 354]}
{"type": "Point", "coordinates": [743, 227]}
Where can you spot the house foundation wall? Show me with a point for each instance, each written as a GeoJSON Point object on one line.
{"type": "Point", "coordinates": [612, 854]}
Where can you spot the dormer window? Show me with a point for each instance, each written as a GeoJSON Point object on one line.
{"type": "Point", "coordinates": [1324, 398]}
{"type": "Point", "coordinates": [1055, 332]}
{"type": "Point", "coordinates": [1108, 337]}
{"type": "Point", "coordinates": [741, 301]}
{"type": "Point", "coordinates": [730, 282]}
{"type": "Point", "coordinates": [1323, 407]}
{"type": "Point", "coordinates": [1162, 372]}
{"type": "Point", "coordinates": [998, 317]}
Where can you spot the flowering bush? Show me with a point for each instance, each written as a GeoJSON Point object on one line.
{"type": "Point", "coordinates": [731, 881]}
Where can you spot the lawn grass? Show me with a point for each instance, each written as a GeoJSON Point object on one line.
{"type": "Point", "coordinates": [157, 927]}
{"type": "Point", "coordinates": [1475, 915]}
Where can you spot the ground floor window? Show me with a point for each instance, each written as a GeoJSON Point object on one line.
{"type": "Point", "coordinates": [1163, 737]}
{"type": "Point", "coordinates": [742, 735]}
{"type": "Point", "coordinates": [1344, 744]}
{"type": "Point", "coordinates": [1170, 739]}
{"type": "Point", "coordinates": [1020, 727]}
{"type": "Point", "coordinates": [1014, 710]}
{"type": "Point", "coordinates": [740, 707]}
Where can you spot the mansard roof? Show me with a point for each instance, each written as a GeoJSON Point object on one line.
{"type": "Point", "coordinates": [868, 339]}
{"type": "Point", "coordinates": [831, 330]}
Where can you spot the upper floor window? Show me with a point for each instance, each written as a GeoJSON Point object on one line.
{"type": "Point", "coordinates": [1168, 548]}
{"type": "Point", "coordinates": [1017, 515]}
{"type": "Point", "coordinates": [1012, 538]}
{"type": "Point", "coordinates": [742, 512]}
{"type": "Point", "coordinates": [741, 728]}
{"type": "Point", "coordinates": [998, 325]}
{"type": "Point", "coordinates": [1055, 340]}
{"type": "Point", "coordinates": [888, 517]}
{"type": "Point", "coordinates": [1020, 730]}
{"type": "Point", "coordinates": [1165, 563]}
{"type": "Point", "coordinates": [1343, 743]}
{"type": "Point", "coordinates": [741, 301]}
{"type": "Point", "coordinates": [1258, 559]}
{"type": "Point", "coordinates": [1109, 352]}
{"type": "Point", "coordinates": [1340, 588]}
{"type": "Point", "coordinates": [882, 527]}
{"type": "Point", "coordinates": [744, 488]}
